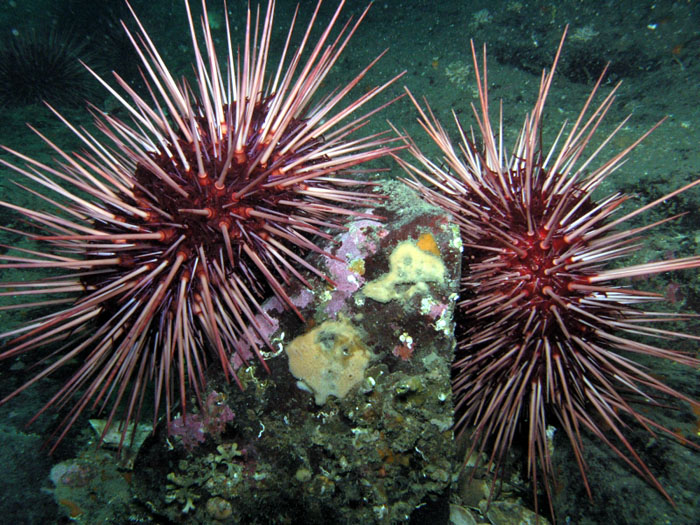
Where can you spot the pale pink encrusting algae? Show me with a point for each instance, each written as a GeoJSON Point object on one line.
{"type": "Point", "coordinates": [355, 245]}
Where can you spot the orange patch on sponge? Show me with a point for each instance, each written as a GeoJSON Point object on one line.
{"type": "Point", "coordinates": [426, 242]}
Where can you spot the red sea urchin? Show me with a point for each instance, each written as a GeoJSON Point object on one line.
{"type": "Point", "coordinates": [173, 227]}
{"type": "Point", "coordinates": [546, 334]}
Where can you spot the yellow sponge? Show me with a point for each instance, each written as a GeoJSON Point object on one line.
{"type": "Point", "coordinates": [410, 268]}
{"type": "Point", "coordinates": [329, 360]}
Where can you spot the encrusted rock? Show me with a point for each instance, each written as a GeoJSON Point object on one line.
{"type": "Point", "coordinates": [368, 437]}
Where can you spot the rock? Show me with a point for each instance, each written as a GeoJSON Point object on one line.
{"type": "Point", "coordinates": [461, 516]}
{"type": "Point", "coordinates": [513, 513]}
{"type": "Point", "coordinates": [127, 442]}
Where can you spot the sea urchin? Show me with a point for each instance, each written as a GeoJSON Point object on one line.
{"type": "Point", "coordinates": [172, 228]}
{"type": "Point", "coordinates": [547, 336]}
{"type": "Point", "coordinates": [36, 68]}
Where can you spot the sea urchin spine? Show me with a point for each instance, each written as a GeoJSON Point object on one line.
{"type": "Point", "coordinates": [543, 319]}
{"type": "Point", "coordinates": [173, 227]}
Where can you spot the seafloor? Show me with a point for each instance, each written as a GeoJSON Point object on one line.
{"type": "Point", "coordinates": [653, 48]}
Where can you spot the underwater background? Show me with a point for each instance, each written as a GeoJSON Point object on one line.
{"type": "Point", "coordinates": [653, 48]}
